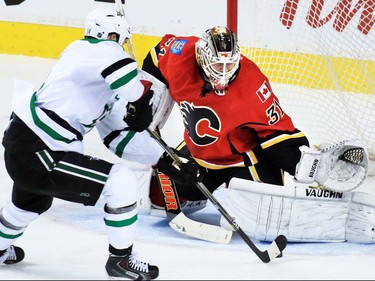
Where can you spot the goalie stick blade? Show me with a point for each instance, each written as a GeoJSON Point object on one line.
{"type": "Point", "coordinates": [275, 250]}
{"type": "Point", "coordinates": [207, 232]}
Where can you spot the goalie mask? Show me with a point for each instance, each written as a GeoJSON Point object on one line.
{"type": "Point", "coordinates": [218, 54]}
{"type": "Point", "coordinates": [103, 21]}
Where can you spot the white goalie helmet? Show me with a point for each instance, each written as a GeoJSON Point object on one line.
{"type": "Point", "coordinates": [218, 53]}
{"type": "Point", "coordinates": [103, 21]}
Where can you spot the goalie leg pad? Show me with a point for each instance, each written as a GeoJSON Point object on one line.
{"type": "Point", "coordinates": [360, 226]}
{"type": "Point", "coordinates": [150, 198]}
{"type": "Point", "coordinates": [265, 211]}
{"type": "Point", "coordinates": [157, 198]}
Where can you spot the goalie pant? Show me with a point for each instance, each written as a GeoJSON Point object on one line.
{"type": "Point", "coordinates": [265, 211]}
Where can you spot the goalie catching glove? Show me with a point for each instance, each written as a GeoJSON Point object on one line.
{"type": "Point", "coordinates": [341, 167]}
{"type": "Point", "coordinates": [187, 172]}
{"type": "Point", "coordinates": [139, 113]}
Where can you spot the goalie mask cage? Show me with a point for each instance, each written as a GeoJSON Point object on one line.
{"type": "Point", "coordinates": [320, 58]}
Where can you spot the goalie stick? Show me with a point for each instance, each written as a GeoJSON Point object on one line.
{"type": "Point", "coordinates": [277, 245]}
{"type": "Point", "coordinates": [182, 224]}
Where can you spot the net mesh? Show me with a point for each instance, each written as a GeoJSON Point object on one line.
{"type": "Point", "coordinates": [320, 58]}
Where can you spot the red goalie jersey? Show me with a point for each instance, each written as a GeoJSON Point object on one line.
{"type": "Point", "coordinates": [233, 130]}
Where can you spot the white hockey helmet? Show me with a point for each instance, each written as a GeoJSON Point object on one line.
{"type": "Point", "coordinates": [103, 21]}
{"type": "Point", "coordinates": [218, 53]}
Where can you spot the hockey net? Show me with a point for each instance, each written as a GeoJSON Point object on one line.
{"type": "Point", "coordinates": [320, 58]}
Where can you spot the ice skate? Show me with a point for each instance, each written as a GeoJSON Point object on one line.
{"type": "Point", "coordinates": [130, 267]}
{"type": "Point", "coordinates": [11, 255]}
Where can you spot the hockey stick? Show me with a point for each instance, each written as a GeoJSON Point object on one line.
{"type": "Point", "coordinates": [182, 224]}
{"type": "Point", "coordinates": [120, 8]}
{"type": "Point", "coordinates": [277, 246]}
{"type": "Point", "coordinates": [128, 42]}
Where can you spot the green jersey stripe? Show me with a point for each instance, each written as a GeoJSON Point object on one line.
{"type": "Point", "coordinates": [124, 79]}
{"type": "Point", "coordinates": [51, 132]}
{"type": "Point", "coordinates": [121, 146]}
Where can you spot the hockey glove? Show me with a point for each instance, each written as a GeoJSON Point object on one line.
{"type": "Point", "coordinates": [187, 173]}
{"type": "Point", "coordinates": [341, 166]}
{"type": "Point", "coordinates": [139, 113]}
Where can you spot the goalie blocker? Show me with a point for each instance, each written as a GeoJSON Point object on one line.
{"type": "Point", "coordinates": [301, 214]}
{"type": "Point", "coordinates": [162, 103]}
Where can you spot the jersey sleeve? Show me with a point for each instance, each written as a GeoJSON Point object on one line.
{"type": "Point", "coordinates": [121, 74]}
{"type": "Point", "coordinates": [151, 62]}
{"type": "Point", "coordinates": [280, 140]}
{"type": "Point", "coordinates": [168, 57]}
{"type": "Point", "coordinates": [282, 149]}
{"type": "Point", "coordinates": [128, 145]}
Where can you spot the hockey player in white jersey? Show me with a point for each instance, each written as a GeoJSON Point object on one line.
{"type": "Point", "coordinates": [94, 83]}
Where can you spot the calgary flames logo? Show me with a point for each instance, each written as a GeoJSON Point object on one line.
{"type": "Point", "coordinates": [201, 122]}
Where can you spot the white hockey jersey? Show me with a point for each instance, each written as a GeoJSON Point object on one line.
{"type": "Point", "coordinates": [89, 86]}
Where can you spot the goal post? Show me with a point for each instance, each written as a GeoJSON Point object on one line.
{"type": "Point", "coordinates": [320, 58]}
{"type": "Point", "coordinates": [232, 15]}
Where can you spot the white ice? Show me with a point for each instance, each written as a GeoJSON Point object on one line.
{"type": "Point", "coordinates": [69, 241]}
